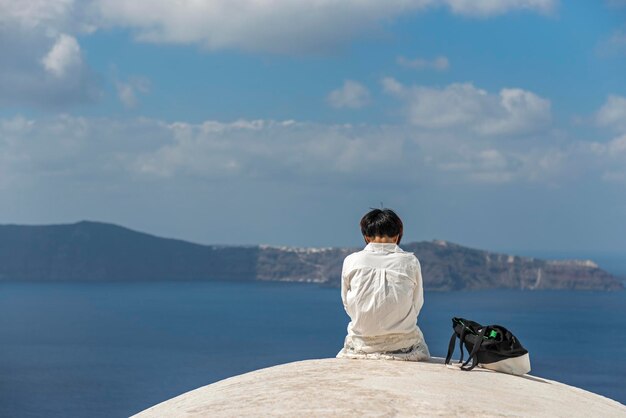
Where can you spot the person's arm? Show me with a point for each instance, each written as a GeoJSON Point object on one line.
{"type": "Point", "coordinates": [418, 294]}
{"type": "Point", "coordinates": [345, 284]}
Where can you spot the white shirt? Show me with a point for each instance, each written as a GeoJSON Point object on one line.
{"type": "Point", "coordinates": [382, 292]}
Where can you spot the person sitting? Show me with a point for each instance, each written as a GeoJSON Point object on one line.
{"type": "Point", "coordinates": [382, 293]}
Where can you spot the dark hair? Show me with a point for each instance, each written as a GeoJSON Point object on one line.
{"type": "Point", "coordinates": [381, 223]}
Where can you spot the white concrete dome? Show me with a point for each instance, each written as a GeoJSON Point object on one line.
{"type": "Point", "coordinates": [379, 388]}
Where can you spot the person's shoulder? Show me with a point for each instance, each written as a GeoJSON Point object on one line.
{"type": "Point", "coordinates": [351, 257]}
{"type": "Point", "coordinates": [354, 254]}
{"type": "Point", "coordinates": [410, 257]}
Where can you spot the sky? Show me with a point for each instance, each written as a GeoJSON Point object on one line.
{"type": "Point", "coordinates": [498, 125]}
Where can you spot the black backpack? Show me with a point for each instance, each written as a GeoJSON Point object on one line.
{"type": "Point", "coordinates": [493, 347]}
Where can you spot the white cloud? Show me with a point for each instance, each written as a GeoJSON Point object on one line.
{"type": "Point", "coordinates": [126, 94]}
{"type": "Point", "coordinates": [612, 114]}
{"type": "Point", "coordinates": [461, 105]}
{"type": "Point", "coordinates": [351, 95]}
{"type": "Point", "coordinates": [498, 7]}
{"type": "Point", "coordinates": [279, 26]}
{"type": "Point", "coordinates": [613, 148]}
{"type": "Point", "coordinates": [611, 153]}
{"type": "Point", "coordinates": [485, 165]}
{"type": "Point", "coordinates": [439, 63]}
{"type": "Point", "coordinates": [42, 72]}
{"type": "Point", "coordinates": [305, 152]}
{"type": "Point", "coordinates": [63, 57]}
{"type": "Point", "coordinates": [263, 149]}
{"type": "Point", "coordinates": [42, 61]}
{"type": "Point", "coordinates": [392, 86]}
{"type": "Point", "coordinates": [259, 25]}
{"type": "Point", "coordinates": [107, 151]}
{"type": "Point", "coordinates": [128, 91]}
{"type": "Point", "coordinates": [610, 158]}
{"type": "Point", "coordinates": [30, 14]}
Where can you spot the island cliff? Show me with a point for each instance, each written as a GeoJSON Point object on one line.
{"type": "Point", "coordinates": [95, 251]}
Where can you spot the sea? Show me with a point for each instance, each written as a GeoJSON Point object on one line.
{"type": "Point", "coordinates": [114, 349]}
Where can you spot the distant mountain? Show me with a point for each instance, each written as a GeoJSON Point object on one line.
{"type": "Point", "coordinates": [90, 251]}
{"type": "Point", "coordinates": [95, 251]}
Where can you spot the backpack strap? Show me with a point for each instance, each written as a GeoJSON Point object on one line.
{"type": "Point", "coordinates": [451, 347]}
{"type": "Point", "coordinates": [473, 357]}
{"type": "Point", "coordinates": [461, 341]}
{"type": "Point", "coordinates": [462, 335]}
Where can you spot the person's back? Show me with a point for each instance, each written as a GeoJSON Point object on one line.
{"type": "Point", "coordinates": [382, 293]}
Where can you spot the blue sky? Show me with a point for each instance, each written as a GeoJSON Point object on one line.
{"type": "Point", "coordinates": [499, 125]}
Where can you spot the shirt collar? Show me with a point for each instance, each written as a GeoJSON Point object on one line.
{"type": "Point", "coordinates": [383, 247]}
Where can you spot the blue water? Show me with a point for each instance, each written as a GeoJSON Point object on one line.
{"type": "Point", "coordinates": [109, 349]}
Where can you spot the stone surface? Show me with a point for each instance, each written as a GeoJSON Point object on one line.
{"type": "Point", "coordinates": [378, 388]}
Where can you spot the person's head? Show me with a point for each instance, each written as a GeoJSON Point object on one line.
{"type": "Point", "coordinates": [382, 223]}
